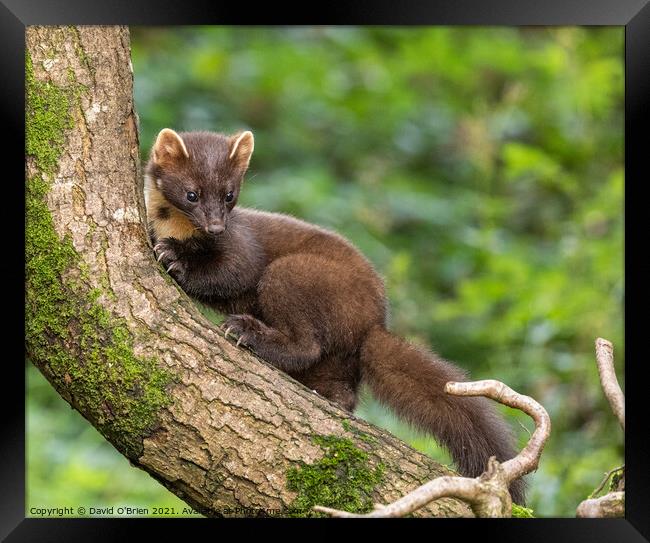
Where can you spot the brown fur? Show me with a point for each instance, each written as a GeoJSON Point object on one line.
{"type": "Point", "coordinates": [303, 298]}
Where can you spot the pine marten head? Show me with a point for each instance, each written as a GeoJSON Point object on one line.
{"type": "Point", "coordinates": [192, 181]}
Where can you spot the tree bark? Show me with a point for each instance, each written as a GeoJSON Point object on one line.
{"type": "Point", "coordinates": [127, 348]}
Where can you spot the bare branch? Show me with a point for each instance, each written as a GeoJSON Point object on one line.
{"type": "Point", "coordinates": [608, 506]}
{"type": "Point", "coordinates": [488, 494]}
{"type": "Point", "coordinates": [528, 459]}
{"type": "Point", "coordinates": [612, 504]}
{"type": "Point", "coordinates": [605, 362]}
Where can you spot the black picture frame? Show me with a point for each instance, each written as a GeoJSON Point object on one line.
{"type": "Point", "coordinates": [634, 15]}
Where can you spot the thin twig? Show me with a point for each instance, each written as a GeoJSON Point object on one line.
{"type": "Point", "coordinates": [437, 488]}
{"type": "Point", "coordinates": [525, 428]}
{"type": "Point", "coordinates": [604, 481]}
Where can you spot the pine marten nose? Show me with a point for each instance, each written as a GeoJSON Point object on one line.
{"type": "Point", "coordinates": [215, 228]}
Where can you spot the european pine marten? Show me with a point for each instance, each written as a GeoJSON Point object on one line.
{"type": "Point", "coordinates": [302, 297]}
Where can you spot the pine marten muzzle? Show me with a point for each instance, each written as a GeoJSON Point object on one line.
{"type": "Point", "coordinates": [302, 297]}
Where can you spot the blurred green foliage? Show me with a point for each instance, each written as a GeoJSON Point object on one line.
{"type": "Point", "coordinates": [480, 169]}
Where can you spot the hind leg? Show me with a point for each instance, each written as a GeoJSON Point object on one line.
{"type": "Point", "coordinates": [336, 378]}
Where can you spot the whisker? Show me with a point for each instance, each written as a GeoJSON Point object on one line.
{"type": "Point", "coordinates": [184, 213]}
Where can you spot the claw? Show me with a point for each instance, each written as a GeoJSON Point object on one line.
{"type": "Point", "coordinates": [157, 246]}
{"type": "Point", "coordinates": [239, 340]}
{"type": "Point", "coordinates": [160, 256]}
{"type": "Point", "coordinates": [171, 266]}
{"type": "Point", "coordinates": [227, 331]}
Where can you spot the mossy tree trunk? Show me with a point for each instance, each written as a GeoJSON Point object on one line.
{"type": "Point", "coordinates": [124, 346]}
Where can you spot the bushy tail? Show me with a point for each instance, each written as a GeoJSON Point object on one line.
{"type": "Point", "coordinates": [411, 381]}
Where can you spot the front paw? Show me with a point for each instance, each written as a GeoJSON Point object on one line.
{"type": "Point", "coordinates": [244, 327]}
{"type": "Point", "coordinates": [168, 254]}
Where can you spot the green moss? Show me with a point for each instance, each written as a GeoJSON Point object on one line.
{"type": "Point", "coordinates": [617, 477]}
{"type": "Point", "coordinates": [343, 478]}
{"type": "Point", "coordinates": [47, 116]}
{"type": "Point", "coordinates": [521, 512]}
{"type": "Point", "coordinates": [85, 351]}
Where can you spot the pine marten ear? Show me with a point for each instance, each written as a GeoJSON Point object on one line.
{"type": "Point", "coordinates": [241, 148]}
{"type": "Point", "coordinates": [168, 147]}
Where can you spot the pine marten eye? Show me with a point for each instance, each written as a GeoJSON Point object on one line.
{"type": "Point", "coordinates": [229, 196]}
{"type": "Point", "coordinates": [192, 196]}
